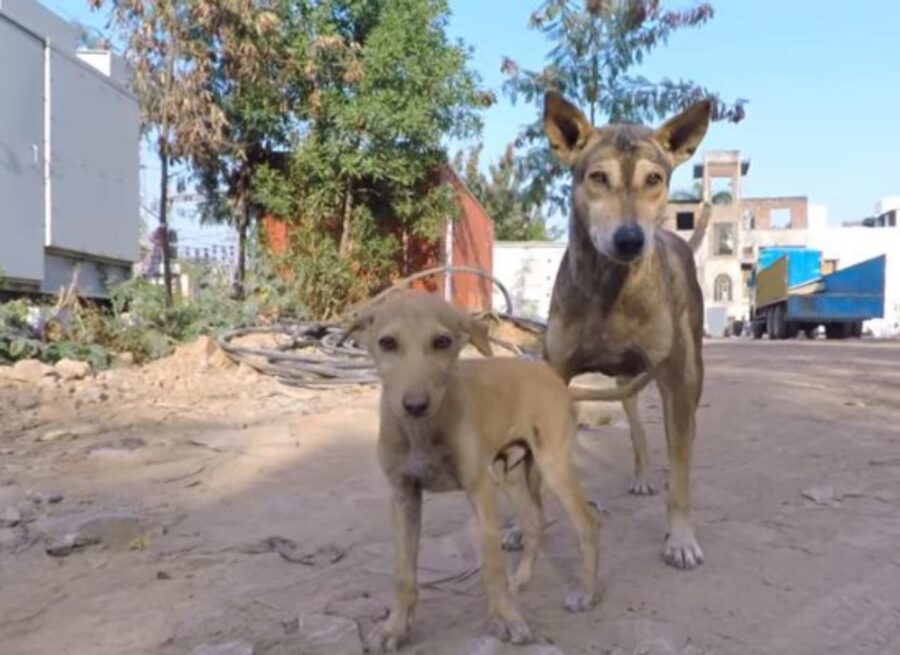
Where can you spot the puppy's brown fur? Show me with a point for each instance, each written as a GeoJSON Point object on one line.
{"type": "Point", "coordinates": [639, 313]}
{"type": "Point", "coordinates": [445, 424]}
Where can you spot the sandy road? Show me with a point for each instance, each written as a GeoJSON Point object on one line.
{"type": "Point", "coordinates": [797, 505]}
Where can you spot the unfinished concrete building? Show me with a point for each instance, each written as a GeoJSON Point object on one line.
{"type": "Point", "coordinates": [738, 227]}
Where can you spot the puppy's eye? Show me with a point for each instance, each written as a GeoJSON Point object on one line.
{"type": "Point", "coordinates": [387, 344]}
{"type": "Point", "coordinates": [441, 342]}
{"type": "Point", "coordinates": [654, 179]}
{"type": "Point", "coordinates": [599, 177]}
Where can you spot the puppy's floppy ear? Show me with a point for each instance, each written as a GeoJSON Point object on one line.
{"type": "Point", "coordinates": [682, 134]}
{"type": "Point", "coordinates": [566, 127]}
{"type": "Point", "coordinates": [479, 335]}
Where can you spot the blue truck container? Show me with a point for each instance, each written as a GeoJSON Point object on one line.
{"type": "Point", "coordinates": [803, 264]}
{"type": "Point", "coordinates": [791, 295]}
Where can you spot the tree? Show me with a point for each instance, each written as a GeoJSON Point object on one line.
{"type": "Point", "coordinates": [381, 88]}
{"type": "Point", "coordinates": [516, 217]}
{"type": "Point", "coordinates": [170, 68]}
{"type": "Point", "coordinates": [595, 46]}
{"type": "Point", "coordinates": [251, 81]}
{"type": "Point", "coordinates": [210, 76]}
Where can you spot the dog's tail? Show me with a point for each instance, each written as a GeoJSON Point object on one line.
{"type": "Point", "coordinates": [700, 230]}
{"type": "Point", "coordinates": [619, 393]}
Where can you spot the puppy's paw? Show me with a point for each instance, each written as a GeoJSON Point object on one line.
{"type": "Point", "coordinates": [579, 599]}
{"type": "Point", "coordinates": [683, 552]}
{"type": "Point", "coordinates": [515, 631]}
{"type": "Point", "coordinates": [386, 637]}
{"type": "Point", "coordinates": [512, 538]}
{"type": "Point", "coordinates": [641, 487]}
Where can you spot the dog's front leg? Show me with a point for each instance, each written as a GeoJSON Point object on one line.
{"type": "Point", "coordinates": [679, 390]}
{"type": "Point", "coordinates": [406, 512]}
{"type": "Point", "coordinates": [507, 622]}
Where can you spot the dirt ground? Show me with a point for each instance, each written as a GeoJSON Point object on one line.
{"type": "Point", "coordinates": [167, 479]}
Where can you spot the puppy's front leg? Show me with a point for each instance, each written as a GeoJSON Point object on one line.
{"type": "Point", "coordinates": [507, 622]}
{"type": "Point", "coordinates": [406, 512]}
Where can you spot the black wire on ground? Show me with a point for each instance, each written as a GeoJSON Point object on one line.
{"type": "Point", "coordinates": [319, 355]}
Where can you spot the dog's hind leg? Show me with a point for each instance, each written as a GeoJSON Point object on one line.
{"type": "Point", "coordinates": [559, 476]}
{"type": "Point", "coordinates": [529, 507]}
{"type": "Point", "coordinates": [406, 512]}
{"type": "Point", "coordinates": [640, 486]}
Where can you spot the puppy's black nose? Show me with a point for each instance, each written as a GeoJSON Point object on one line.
{"type": "Point", "coordinates": [628, 241]}
{"type": "Point", "coordinates": [416, 403]}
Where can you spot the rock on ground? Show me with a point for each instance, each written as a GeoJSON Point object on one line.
{"type": "Point", "coordinates": [112, 529]}
{"type": "Point", "coordinates": [29, 370]}
{"type": "Point", "coordinates": [321, 634]}
{"type": "Point", "coordinates": [71, 369]}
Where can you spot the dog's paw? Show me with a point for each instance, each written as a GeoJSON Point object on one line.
{"type": "Point", "coordinates": [515, 631]}
{"type": "Point", "coordinates": [512, 538]}
{"type": "Point", "coordinates": [682, 552]}
{"type": "Point", "coordinates": [385, 638]}
{"type": "Point", "coordinates": [640, 487]}
{"type": "Point", "coordinates": [579, 600]}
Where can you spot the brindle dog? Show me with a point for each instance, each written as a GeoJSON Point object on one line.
{"type": "Point", "coordinates": [626, 302]}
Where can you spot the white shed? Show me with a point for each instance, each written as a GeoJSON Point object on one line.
{"type": "Point", "coordinates": [69, 158]}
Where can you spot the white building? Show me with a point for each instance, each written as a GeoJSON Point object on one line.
{"type": "Point", "coordinates": [69, 157]}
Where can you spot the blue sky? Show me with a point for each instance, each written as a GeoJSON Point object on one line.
{"type": "Point", "coordinates": [822, 78]}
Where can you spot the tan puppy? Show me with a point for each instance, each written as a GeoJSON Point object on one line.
{"type": "Point", "coordinates": [449, 424]}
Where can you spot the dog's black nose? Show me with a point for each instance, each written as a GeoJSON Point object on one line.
{"type": "Point", "coordinates": [416, 402]}
{"type": "Point", "coordinates": [629, 241]}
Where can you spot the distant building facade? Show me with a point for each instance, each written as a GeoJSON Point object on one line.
{"type": "Point", "coordinates": [739, 226]}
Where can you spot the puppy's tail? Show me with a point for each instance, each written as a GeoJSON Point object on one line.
{"type": "Point", "coordinates": [619, 393]}
{"type": "Point", "coordinates": [700, 229]}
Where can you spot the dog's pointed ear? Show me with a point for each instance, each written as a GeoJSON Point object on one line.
{"type": "Point", "coordinates": [566, 127]}
{"type": "Point", "coordinates": [682, 134]}
{"type": "Point", "coordinates": [479, 335]}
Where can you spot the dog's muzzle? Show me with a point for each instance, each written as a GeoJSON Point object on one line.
{"type": "Point", "coordinates": [628, 241]}
{"type": "Point", "coordinates": [416, 403]}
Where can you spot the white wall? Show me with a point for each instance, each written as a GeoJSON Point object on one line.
{"type": "Point", "coordinates": [21, 154]}
{"type": "Point", "coordinates": [887, 204]}
{"type": "Point", "coordinates": [852, 245]}
{"type": "Point", "coordinates": [528, 271]}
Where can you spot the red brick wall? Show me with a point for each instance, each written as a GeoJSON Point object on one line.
{"type": "Point", "coordinates": [473, 245]}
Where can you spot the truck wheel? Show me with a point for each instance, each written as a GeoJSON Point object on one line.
{"type": "Point", "coordinates": [836, 330]}
{"type": "Point", "coordinates": [810, 331]}
{"type": "Point", "coordinates": [791, 330]}
{"type": "Point", "coordinates": [856, 330]}
{"type": "Point", "coordinates": [778, 328]}
{"type": "Point", "coordinates": [758, 328]}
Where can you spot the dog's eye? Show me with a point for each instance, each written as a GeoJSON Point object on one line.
{"type": "Point", "coordinates": [654, 179]}
{"type": "Point", "coordinates": [387, 344]}
{"type": "Point", "coordinates": [442, 342]}
{"type": "Point", "coordinates": [599, 177]}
